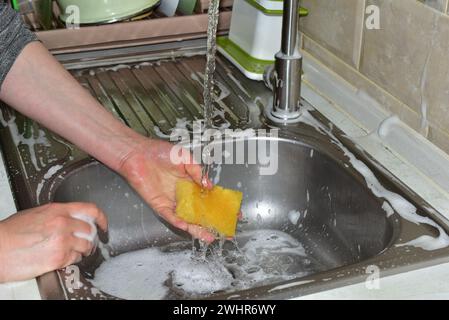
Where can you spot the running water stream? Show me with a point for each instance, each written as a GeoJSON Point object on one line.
{"type": "Point", "coordinates": [212, 27]}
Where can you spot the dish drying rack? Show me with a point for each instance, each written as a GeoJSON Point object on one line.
{"type": "Point", "coordinates": [155, 28]}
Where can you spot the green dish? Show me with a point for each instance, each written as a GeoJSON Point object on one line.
{"type": "Point", "coordinates": [248, 62]}
{"type": "Point", "coordinates": [106, 11]}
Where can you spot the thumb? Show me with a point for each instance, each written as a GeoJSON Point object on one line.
{"type": "Point", "coordinates": [194, 170]}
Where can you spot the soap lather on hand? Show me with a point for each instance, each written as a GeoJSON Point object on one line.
{"type": "Point", "coordinates": [217, 209]}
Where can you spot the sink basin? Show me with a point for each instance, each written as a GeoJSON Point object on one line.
{"type": "Point", "coordinates": [312, 203]}
{"type": "Point", "coordinates": [314, 225]}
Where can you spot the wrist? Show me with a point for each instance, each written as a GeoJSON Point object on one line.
{"type": "Point", "coordinates": [118, 148]}
{"type": "Point", "coordinates": [133, 156]}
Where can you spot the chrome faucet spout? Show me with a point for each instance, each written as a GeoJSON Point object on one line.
{"type": "Point", "coordinates": [290, 27]}
{"type": "Point", "coordinates": [285, 78]}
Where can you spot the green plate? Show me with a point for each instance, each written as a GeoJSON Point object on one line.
{"type": "Point", "coordinates": [106, 11]}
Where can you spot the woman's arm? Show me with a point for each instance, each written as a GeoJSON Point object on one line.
{"type": "Point", "coordinates": [14, 36]}
{"type": "Point", "coordinates": [40, 88]}
{"type": "Point", "coordinates": [35, 84]}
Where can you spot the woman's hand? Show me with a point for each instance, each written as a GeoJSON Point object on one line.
{"type": "Point", "coordinates": [40, 240]}
{"type": "Point", "coordinates": [152, 173]}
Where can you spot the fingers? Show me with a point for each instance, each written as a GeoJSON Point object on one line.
{"type": "Point", "coordinates": [199, 232]}
{"type": "Point", "coordinates": [77, 210]}
{"type": "Point", "coordinates": [66, 249]}
{"type": "Point", "coordinates": [194, 170]}
{"type": "Point", "coordinates": [169, 215]}
{"type": "Point", "coordinates": [78, 226]}
{"type": "Point", "coordinates": [195, 173]}
{"type": "Point", "coordinates": [207, 183]}
{"type": "Point", "coordinates": [74, 258]}
{"type": "Point", "coordinates": [81, 246]}
{"type": "Point", "coordinates": [97, 214]}
{"type": "Point", "coordinates": [75, 224]}
{"type": "Point", "coordinates": [72, 235]}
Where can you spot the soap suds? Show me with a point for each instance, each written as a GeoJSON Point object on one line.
{"type": "Point", "coordinates": [388, 209]}
{"type": "Point", "coordinates": [427, 243]}
{"type": "Point", "coordinates": [48, 175]}
{"type": "Point", "coordinates": [294, 216]}
{"type": "Point", "coordinates": [404, 208]}
{"type": "Point", "coordinates": [160, 134]}
{"type": "Point", "coordinates": [266, 256]}
{"type": "Point", "coordinates": [289, 285]}
{"type": "Point", "coordinates": [116, 68]}
{"type": "Point", "coordinates": [31, 143]}
{"type": "Point", "coordinates": [181, 123]}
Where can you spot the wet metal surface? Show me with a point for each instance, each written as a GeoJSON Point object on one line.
{"type": "Point", "coordinates": [339, 223]}
{"type": "Point", "coordinates": [345, 230]}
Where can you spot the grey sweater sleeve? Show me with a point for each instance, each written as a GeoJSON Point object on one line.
{"type": "Point", "coordinates": [14, 36]}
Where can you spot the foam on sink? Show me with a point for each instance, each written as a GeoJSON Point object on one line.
{"type": "Point", "coordinates": [265, 241]}
{"type": "Point", "coordinates": [160, 134]}
{"type": "Point", "coordinates": [116, 68]}
{"type": "Point", "coordinates": [50, 173]}
{"type": "Point", "coordinates": [400, 205]}
{"type": "Point", "coordinates": [224, 91]}
{"type": "Point", "coordinates": [31, 142]}
{"type": "Point", "coordinates": [427, 243]}
{"type": "Point", "coordinates": [388, 209]}
{"type": "Point", "coordinates": [181, 123]}
{"type": "Point", "coordinates": [266, 256]}
{"type": "Point", "coordinates": [199, 276]}
{"type": "Point", "coordinates": [137, 275]}
{"type": "Point", "coordinates": [294, 216]}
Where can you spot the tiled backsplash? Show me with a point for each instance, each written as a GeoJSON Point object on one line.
{"type": "Point", "coordinates": [403, 64]}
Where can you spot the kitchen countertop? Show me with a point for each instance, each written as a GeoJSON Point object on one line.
{"type": "Point", "coordinates": [428, 283]}
{"type": "Point", "coordinates": [421, 165]}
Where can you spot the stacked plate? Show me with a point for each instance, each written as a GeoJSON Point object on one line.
{"type": "Point", "coordinates": [105, 11]}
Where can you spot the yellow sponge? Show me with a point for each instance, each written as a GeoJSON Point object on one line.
{"type": "Point", "coordinates": [217, 208]}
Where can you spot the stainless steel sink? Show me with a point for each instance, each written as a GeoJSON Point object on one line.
{"type": "Point", "coordinates": [342, 226]}
{"type": "Point", "coordinates": [344, 223]}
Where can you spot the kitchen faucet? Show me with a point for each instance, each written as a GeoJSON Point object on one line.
{"type": "Point", "coordinates": [285, 77]}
